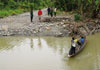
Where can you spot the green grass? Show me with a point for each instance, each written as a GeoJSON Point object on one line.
{"type": "Point", "coordinates": [5, 13]}
{"type": "Point", "coordinates": [59, 12]}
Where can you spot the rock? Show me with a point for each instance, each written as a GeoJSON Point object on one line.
{"type": "Point", "coordinates": [5, 27]}
{"type": "Point", "coordinates": [62, 23]}
{"type": "Point", "coordinates": [64, 26]}
{"type": "Point", "coordinates": [34, 32]}
{"type": "Point", "coordinates": [1, 17]}
{"type": "Point", "coordinates": [59, 35]}
{"type": "Point", "coordinates": [51, 24]}
{"type": "Point", "coordinates": [63, 20]}
{"type": "Point", "coordinates": [48, 28]}
{"type": "Point", "coordinates": [0, 27]}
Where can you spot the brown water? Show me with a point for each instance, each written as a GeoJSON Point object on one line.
{"type": "Point", "coordinates": [47, 53]}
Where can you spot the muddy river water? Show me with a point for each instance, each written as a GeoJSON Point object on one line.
{"type": "Point", "coordinates": [47, 53]}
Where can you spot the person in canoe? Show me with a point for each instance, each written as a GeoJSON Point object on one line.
{"type": "Point", "coordinates": [73, 45]}
{"type": "Point", "coordinates": [81, 41]}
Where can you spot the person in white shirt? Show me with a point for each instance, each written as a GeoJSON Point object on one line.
{"type": "Point", "coordinates": [55, 10]}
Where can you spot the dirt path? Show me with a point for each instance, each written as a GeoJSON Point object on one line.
{"type": "Point", "coordinates": [21, 25]}
{"type": "Point", "coordinates": [18, 25]}
{"type": "Point", "coordinates": [19, 20]}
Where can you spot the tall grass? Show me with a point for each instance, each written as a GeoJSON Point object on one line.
{"type": "Point", "coordinates": [4, 13]}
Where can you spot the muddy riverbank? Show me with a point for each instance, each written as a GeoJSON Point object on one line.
{"type": "Point", "coordinates": [20, 25]}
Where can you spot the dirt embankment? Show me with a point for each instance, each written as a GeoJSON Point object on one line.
{"type": "Point", "coordinates": [75, 28]}
{"type": "Point", "coordinates": [20, 25]}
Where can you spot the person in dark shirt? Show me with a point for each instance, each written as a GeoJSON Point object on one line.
{"type": "Point", "coordinates": [51, 12]}
{"type": "Point", "coordinates": [48, 11]}
{"type": "Point", "coordinates": [31, 13]}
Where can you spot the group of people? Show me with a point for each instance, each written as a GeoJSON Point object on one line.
{"type": "Point", "coordinates": [39, 14]}
{"type": "Point", "coordinates": [52, 11]}
{"type": "Point", "coordinates": [75, 43]}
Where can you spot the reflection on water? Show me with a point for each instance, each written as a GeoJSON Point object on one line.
{"type": "Point", "coordinates": [47, 53]}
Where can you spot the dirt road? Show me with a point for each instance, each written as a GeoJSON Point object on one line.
{"type": "Point", "coordinates": [21, 25]}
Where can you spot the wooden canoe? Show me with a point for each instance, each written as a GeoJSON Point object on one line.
{"type": "Point", "coordinates": [78, 50]}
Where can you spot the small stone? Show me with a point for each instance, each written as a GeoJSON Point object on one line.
{"type": "Point", "coordinates": [48, 28]}
{"type": "Point", "coordinates": [35, 32]}
{"type": "Point", "coordinates": [5, 27]}
{"type": "Point", "coordinates": [63, 20]}
{"type": "Point", "coordinates": [64, 25]}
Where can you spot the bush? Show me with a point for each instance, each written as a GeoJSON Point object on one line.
{"type": "Point", "coordinates": [4, 13]}
{"type": "Point", "coordinates": [59, 12]}
{"type": "Point", "coordinates": [24, 6]}
{"type": "Point", "coordinates": [1, 5]}
{"type": "Point", "coordinates": [17, 11]}
{"type": "Point", "coordinates": [77, 17]}
{"type": "Point", "coordinates": [12, 4]}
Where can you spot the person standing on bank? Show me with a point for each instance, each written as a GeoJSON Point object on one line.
{"type": "Point", "coordinates": [31, 13]}
{"type": "Point", "coordinates": [48, 11]}
{"type": "Point", "coordinates": [39, 14]}
{"type": "Point", "coordinates": [51, 12]}
{"type": "Point", "coordinates": [55, 10]}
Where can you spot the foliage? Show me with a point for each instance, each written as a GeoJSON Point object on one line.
{"type": "Point", "coordinates": [4, 13]}
{"type": "Point", "coordinates": [77, 17]}
{"type": "Point", "coordinates": [1, 5]}
{"type": "Point", "coordinates": [89, 7]}
{"type": "Point", "coordinates": [9, 7]}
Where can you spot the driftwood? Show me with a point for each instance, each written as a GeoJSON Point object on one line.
{"type": "Point", "coordinates": [77, 28]}
{"type": "Point", "coordinates": [92, 32]}
{"type": "Point", "coordinates": [87, 29]}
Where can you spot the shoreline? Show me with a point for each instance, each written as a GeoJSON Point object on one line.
{"type": "Point", "coordinates": [61, 26]}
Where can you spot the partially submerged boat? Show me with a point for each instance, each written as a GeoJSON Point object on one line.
{"type": "Point", "coordinates": [77, 50]}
